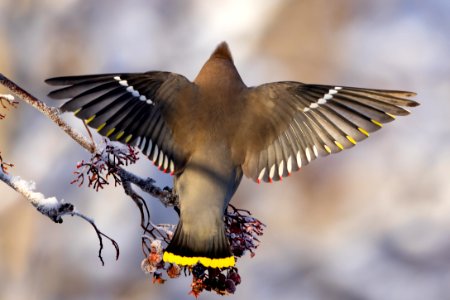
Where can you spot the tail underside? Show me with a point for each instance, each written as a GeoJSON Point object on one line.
{"type": "Point", "coordinates": [190, 249]}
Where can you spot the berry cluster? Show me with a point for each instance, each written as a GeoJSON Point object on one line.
{"type": "Point", "coordinates": [242, 231]}
{"type": "Point", "coordinates": [223, 282]}
{"type": "Point", "coordinates": [153, 264]}
{"type": "Point", "coordinates": [105, 164]}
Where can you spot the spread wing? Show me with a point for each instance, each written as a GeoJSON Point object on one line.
{"type": "Point", "coordinates": [132, 108]}
{"type": "Point", "coordinates": [291, 123]}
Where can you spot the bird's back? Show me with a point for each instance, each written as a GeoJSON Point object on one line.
{"type": "Point", "coordinates": [210, 118]}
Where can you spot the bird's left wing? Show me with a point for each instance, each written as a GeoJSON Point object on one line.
{"type": "Point", "coordinates": [132, 108]}
{"type": "Point", "coordinates": [289, 124]}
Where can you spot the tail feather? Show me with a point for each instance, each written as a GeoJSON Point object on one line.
{"type": "Point", "coordinates": [185, 249]}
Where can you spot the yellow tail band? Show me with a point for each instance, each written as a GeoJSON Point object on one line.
{"type": "Point", "coordinates": [225, 262]}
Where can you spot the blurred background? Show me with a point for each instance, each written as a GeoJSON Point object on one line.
{"type": "Point", "coordinates": [370, 223]}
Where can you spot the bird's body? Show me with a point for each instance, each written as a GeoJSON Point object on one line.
{"type": "Point", "coordinates": [212, 171]}
{"type": "Point", "coordinates": [211, 131]}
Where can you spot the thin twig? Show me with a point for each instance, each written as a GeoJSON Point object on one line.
{"type": "Point", "coordinates": [4, 165]}
{"type": "Point", "coordinates": [6, 101]}
{"type": "Point", "coordinates": [89, 132]}
{"type": "Point", "coordinates": [140, 203]}
{"type": "Point", "coordinates": [99, 235]}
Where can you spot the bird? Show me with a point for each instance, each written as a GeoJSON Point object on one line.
{"type": "Point", "coordinates": [210, 132]}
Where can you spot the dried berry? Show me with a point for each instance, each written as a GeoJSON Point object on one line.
{"type": "Point", "coordinates": [197, 287]}
{"type": "Point", "coordinates": [157, 278]}
{"type": "Point", "coordinates": [234, 276]}
{"type": "Point", "coordinates": [173, 271]}
{"type": "Point", "coordinates": [198, 270]}
{"type": "Point", "coordinates": [230, 286]}
{"type": "Point", "coordinates": [147, 267]}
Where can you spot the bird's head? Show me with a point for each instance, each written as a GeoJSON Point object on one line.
{"type": "Point", "coordinates": [219, 69]}
{"type": "Point", "coordinates": [223, 52]}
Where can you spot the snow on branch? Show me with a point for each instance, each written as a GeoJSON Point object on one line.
{"type": "Point", "coordinates": [5, 101]}
{"type": "Point", "coordinates": [50, 206]}
{"type": "Point", "coordinates": [6, 97]}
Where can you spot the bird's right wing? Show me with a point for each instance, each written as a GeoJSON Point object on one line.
{"type": "Point", "coordinates": [132, 108]}
{"type": "Point", "coordinates": [289, 124]}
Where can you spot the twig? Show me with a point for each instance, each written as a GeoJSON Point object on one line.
{"type": "Point", "coordinates": [99, 235]}
{"type": "Point", "coordinates": [89, 132]}
{"type": "Point", "coordinates": [4, 165]}
{"type": "Point", "coordinates": [51, 112]}
{"type": "Point", "coordinates": [9, 100]}
{"type": "Point", "coordinates": [140, 203]}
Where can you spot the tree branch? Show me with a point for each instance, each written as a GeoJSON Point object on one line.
{"type": "Point", "coordinates": [165, 195]}
{"type": "Point", "coordinates": [51, 112]}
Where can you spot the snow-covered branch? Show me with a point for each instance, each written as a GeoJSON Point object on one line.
{"type": "Point", "coordinates": [48, 206]}
{"type": "Point", "coordinates": [165, 195]}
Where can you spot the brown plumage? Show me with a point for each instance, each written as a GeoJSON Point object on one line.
{"type": "Point", "coordinates": [211, 131]}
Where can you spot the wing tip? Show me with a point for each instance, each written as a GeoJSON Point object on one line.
{"type": "Point", "coordinates": [413, 103]}
{"type": "Point", "coordinates": [410, 94]}
{"type": "Point", "coordinates": [50, 81]}
{"type": "Point", "coordinates": [54, 95]}
{"type": "Point", "coordinates": [55, 81]}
